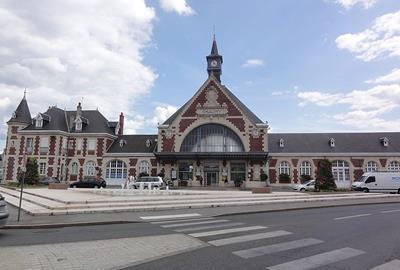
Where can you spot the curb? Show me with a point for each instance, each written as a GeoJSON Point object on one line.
{"type": "Point", "coordinates": [62, 225]}
{"type": "Point", "coordinates": [299, 208]}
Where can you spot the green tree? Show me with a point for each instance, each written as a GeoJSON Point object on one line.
{"type": "Point", "coordinates": [31, 174]}
{"type": "Point", "coordinates": [324, 178]}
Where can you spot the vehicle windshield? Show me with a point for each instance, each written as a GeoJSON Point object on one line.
{"type": "Point", "coordinates": [309, 182]}
{"type": "Point", "coordinates": [362, 179]}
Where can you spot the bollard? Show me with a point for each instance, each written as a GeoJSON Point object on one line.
{"type": "Point", "coordinates": [167, 188]}
{"type": "Point", "coordinates": [149, 186]}
{"type": "Point", "coordinates": [141, 186]}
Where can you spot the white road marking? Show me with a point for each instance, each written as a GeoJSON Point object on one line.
{"type": "Point", "coordinates": [209, 227]}
{"type": "Point", "coordinates": [180, 220]}
{"type": "Point", "coordinates": [361, 215]}
{"type": "Point", "coordinates": [194, 223]}
{"type": "Point", "coordinates": [392, 265]}
{"type": "Point", "coordinates": [390, 211]}
{"type": "Point", "coordinates": [264, 250]}
{"type": "Point", "coordinates": [319, 259]}
{"type": "Point", "coordinates": [246, 238]}
{"type": "Point", "coordinates": [226, 231]}
{"type": "Point", "coordinates": [170, 216]}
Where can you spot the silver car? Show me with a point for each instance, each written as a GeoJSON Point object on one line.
{"type": "Point", "coordinates": [153, 181]}
{"type": "Point", "coordinates": [3, 211]}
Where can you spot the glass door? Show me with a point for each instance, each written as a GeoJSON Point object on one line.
{"type": "Point", "coordinates": [211, 178]}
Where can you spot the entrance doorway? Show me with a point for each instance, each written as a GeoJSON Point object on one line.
{"type": "Point", "coordinates": [211, 178]}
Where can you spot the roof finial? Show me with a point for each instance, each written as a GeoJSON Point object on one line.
{"type": "Point", "coordinates": [214, 31]}
{"type": "Point", "coordinates": [25, 93]}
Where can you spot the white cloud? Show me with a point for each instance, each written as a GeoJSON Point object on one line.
{"type": "Point", "coordinates": [253, 63]}
{"type": "Point", "coordinates": [348, 4]}
{"type": "Point", "coordinates": [392, 77]}
{"type": "Point", "coordinates": [65, 50]}
{"type": "Point", "coordinates": [381, 39]}
{"type": "Point", "coordinates": [162, 112]}
{"type": "Point", "coordinates": [367, 108]}
{"type": "Point", "coordinates": [178, 6]}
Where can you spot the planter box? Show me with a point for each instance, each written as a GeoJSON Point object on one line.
{"type": "Point", "coordinates": [254, 184]}
{"type": "Point", "coordinates": [261, 190]}
{"type": "Point", "coordinates": [58, 186]}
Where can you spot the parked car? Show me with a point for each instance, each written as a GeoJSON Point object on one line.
{"type": "Point", "coordinates": [154, 181]}
{"type": "Point", "coordinates": [89, 183]}
{"type": "Point", "coordinates": [307, 186]}
{"type": "Point", "coordinates": [378, 182]}
{"type": "Point", "coordinates": [3, 212]}
{"type": "Point", "coordinates": [47, 180]}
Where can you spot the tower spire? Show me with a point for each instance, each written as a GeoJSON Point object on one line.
{"type": "Point", "coordinates": [214, 61]}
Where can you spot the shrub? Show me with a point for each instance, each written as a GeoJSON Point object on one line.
{"type": "Point", "coordinates": [31, 176]}
{"type": "Point", "coordinates": [284, 178]}
{"type": "Point", "coordinates": [324, 178]}
{"type": "Point", "coordinates": [143, 174]}
{"type": "Point", "coordinates": [263, 177]}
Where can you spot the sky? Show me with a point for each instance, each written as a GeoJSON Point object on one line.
{"type": "Point", "coordinates": [303, 66]}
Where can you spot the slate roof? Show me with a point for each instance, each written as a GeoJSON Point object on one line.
{"type": "Point", "coordinates": [62, 120]}
{"type": "Point", "coordinates": [22, 113]}
{"type": "Point", "coordinates": [134, 144]}
{"type": "Point", "coordinates": [344, 142]}
{"type": "Point", "coordinates": [247, 112]}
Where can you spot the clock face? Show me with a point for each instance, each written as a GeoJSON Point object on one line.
{"type": "Point", "coordinates": [214, 63]}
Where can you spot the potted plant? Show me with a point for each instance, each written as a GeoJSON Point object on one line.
{"type": "Point", "coordinates": [284, 178]}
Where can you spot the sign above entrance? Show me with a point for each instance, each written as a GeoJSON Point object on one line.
{"type": "Point", "coordinates": [219, 111]}
{"type": "Point", "coordinates": [211, 107]}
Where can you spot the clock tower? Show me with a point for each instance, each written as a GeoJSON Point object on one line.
{"type": "Point", "coordinates": [214, 62]}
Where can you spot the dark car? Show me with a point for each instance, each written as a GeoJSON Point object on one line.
{"type": "Point", "coordinates": [3, 212]}
{"type": "Point", "coordinates": [89, 183]}
{"type": "Point", "coordinates": [47, 180]}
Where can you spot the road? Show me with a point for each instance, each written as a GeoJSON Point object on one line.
{"type": "Point", "coordinates": [347, 237]}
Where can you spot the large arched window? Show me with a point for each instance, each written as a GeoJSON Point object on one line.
{"type": "Point", "coordinates": [212, 138]}
{"type": "Point", "coordinates": [372, 166]}
{"type": "Point", "coordinates": [394, 166]}
{"type": "Point", "coordinates": [74, 168]}
{"type": "Point", "coordinates": [284, 168]}
{"type": "Point", "coordinates": [341, 170]}
{"type": "Point", "coordinates": [144, 167]}
{"type": "Point", "coordinates": [305, 168]}
{"type": "Point", "coordinates": [116, 169]}
{"type": "Point", "coordinates": [90, 168]}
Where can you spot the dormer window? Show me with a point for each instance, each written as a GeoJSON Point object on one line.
{"type": "Point", "coordinates": [281, 143]}
{"type": "Point", "coordinates": [39, 121]}
{"type": "Point", "coordinates": [332, 142]}
{"type": "Point", "coordinates": [14, 115]}
{"type": "Point", "coordinates": [122, 143]}
{"type": "Point", "coordinates": [148, 143]}
{"type": "Point", "coordinates": [78, 124]}
{"type": "Point", "coordinates": [385, 141]}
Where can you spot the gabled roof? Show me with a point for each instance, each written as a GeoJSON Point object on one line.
{"type": "Point", "coordinates": [246, 111]}
{"type": "Point", "coordinates": [22, 113]}
{"type": "Point", "coordinates": [134, 144]}
{"type": "Point", "coordinates": [344, 142]}
{"type": "Point", "coordinates": [64, 121]}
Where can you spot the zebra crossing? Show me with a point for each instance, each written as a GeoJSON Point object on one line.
{"type": "Point", "coordinates": [200, 227]}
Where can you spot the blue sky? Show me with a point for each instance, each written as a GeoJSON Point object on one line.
{"type": "Point", "coordinates": [303, 66]}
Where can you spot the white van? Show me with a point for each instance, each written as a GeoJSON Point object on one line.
{"type": "Point", "coordinates": [378, 182]}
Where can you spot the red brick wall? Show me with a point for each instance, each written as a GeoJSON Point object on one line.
{"type": "Point", "coordinates": [191, 111]}
{"type": "Point", "coordinates": [50, 172]}
{"type": "Point", "coordinates": [238, 122]}
{"type": "Point", "coordinates": [52, 150]}
{"type": "Point", "coordinates": [185, 123]}
{"type": "Point", "coordinates": [256, 144]}
{"type": "Point", "coordinates": [357, 174]}
{"type": "Point", "coordinates": [153, 172]}
{"type": "Point", "coordinates": [168, 144]}
{"type": "Point", "coordinates": [153, 162]}
{"type": "Point", "coordinates": [295, 176]}
{"type": "Point", "coordinates": [132, 162]}
{"type": "Point", "coordinates": [60, 146]}
{"type": "Point", "coordinates": [36, 150]}
{"type": "Point", "coordinates": [10, 168]}
{"type": "Point", "coordinates": [132, 171]}
{"type": "Point", "coordinates": [272, 176]}
{"type": "Point", "coordinates": [295, 161]}
{"type": "Point", "coordinates": [383, 162]}
{"type": "Point", "coordinates": [14, 130]}
{"type": "Point", "coordinates": [222, 98]}
{"type": "Point", "coordinates": [100, 143]}
{"type": "Point", "coordinates": [357, 162]}
{"type": "Point", "coordinates": [22, 146]}
{"type": "Point", "coordinates": [12, 151]}
{"type": "Point", "coordinates": [84, 148]}
{"type": "Point", "coordinates": [272, 162]}
{"type": "Point", "coordinates": [51, 161]}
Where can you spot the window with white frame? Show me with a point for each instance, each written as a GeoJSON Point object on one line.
{"type": "Point", "coordinates": [144, 167]}
{"type": "Point", "coordinates": [394, 166]}
{"type": "Point", "coordinates": [29, 145]}
{"type": "Point", "coordinates": [91, 144]}
{"type": "Point", "coordinates": [74, 168]}
{"type": "Point", "coordinates": [341, 170]}
{"type": "Point", "coordinates": [284, 168]}
{"type": "Point", "coordinates": [372, 166]}
{"type": "Point", "coordinates": [39, 121]}
{"type": "Point", "coordinates": [116, 169]}
{"type": "Point", "coordinates": [78, 125]}
{"type": "Point", "coordinates": [42, 168]}
{"type": "Point", "coordinates": [44, 144]}
{"type": "Point", "coordinates": [90, 168]}
{"type": "Point", "coordinates": [305, 168]}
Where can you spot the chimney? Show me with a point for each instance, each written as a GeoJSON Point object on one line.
{"type": "Point", "coordinates": [121, 124]}
{"type": "Point", "coordinates": [78, 110]}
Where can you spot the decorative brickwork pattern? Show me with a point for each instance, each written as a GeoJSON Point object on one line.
{"type": "Point", "coordinates": [51, 161]}
{"type": "Point", "coordinates": [272, 176]}
{"type": "Point", "coordinates": [132, 162]}
{"type": "Point", "coordinates": [52, 151]}
{"type": "Point", "coordinates": [100, 143]}
{"type": "Point", "coordinates": [272, 162]}
{"type": "Point", "coordinates": [238, 122]}
{"type": "Point", "coordinates": [295, 176]}
{"type": "Point", "coordinates": [357, 174]}
{"type": "Point", "coordinates": [50, 172]}
{"type": "Point", "coordinates": [383, 162]}
{"type": "Point", "coordinates": [256, 144]}
{"type": "Point", "coordinates": [357, 162]}
{"type": "Point", "coordinates": [14, 130]}
{"type": "Point", "coordinates": [84, 148]}
{"type": "Point", "coordinates": [153, 162]}
{"type": "Point", "coordinates": [168, 144]}
{"type": "Point", "coordinates": [153, 172]}
{"type": "Point", "coordinates": [185, 123]}
{"type": "Point", "coordinates": [36, 150]}
{"type": "Point", "coordinates": [10, 168]}
{"type": "Point", "coordinates": [295, 161]}
{"type": "Point", "coordinates": [22, 146]}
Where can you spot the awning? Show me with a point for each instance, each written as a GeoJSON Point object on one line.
{"type": "Point", "coordinates": [211, 155]}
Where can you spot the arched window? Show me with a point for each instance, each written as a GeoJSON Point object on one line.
{"type": "Point", "coordinates": [341, 170]}
{"type": "Point", "coordinates": [372, 166]}
{"type": "Point", "coordinates": [144, 167]}
{"type": "Point", "coordinates": [394, 166]}
{"type": "Point", "coordinates": [74, 168]}
{"type": "Point", "coordinates": [116, 169]}
{"type": "Point", "coordinates": [212, 138]}
{"type": "Point", "coordinates": [90, 169]}
{"type": "Point", "coordinates": [284, 168]}
{"type": "Point", "coordinates": [305, 168]}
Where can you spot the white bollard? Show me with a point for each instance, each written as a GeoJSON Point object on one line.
{"type": "Point", "coordinates": [167, 188]}
{"type": "Point", "coordinates": [149, 186]}
{"type": "Point", "coordinates": [141, 186]}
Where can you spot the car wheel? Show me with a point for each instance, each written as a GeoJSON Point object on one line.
{"type": "Point", "coordinates": [74, 186]}
{"type": "Point", "coordinates": [398, 192]}
{"type": "Point", "coordinates": [366, 190]}
{"type": "Point", "coordinates": [302, 190]}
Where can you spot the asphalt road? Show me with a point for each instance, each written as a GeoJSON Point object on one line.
{"type": "Point", "coordinates": [348, 237]}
